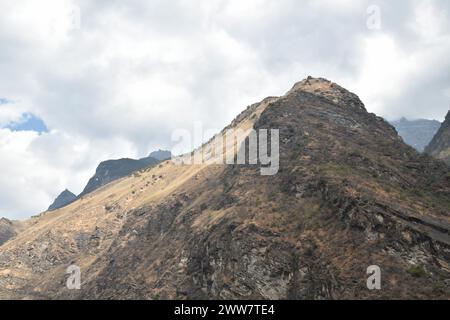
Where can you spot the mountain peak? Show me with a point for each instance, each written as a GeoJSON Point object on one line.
{"type": "Point", "coordinates": [65, 198]}
{"type": "Point", "coordinates": [311, 83]}
{"type": "Point", "coordinates": [328, 90]}
{"type": "Point", "coordinates": [111, 170]}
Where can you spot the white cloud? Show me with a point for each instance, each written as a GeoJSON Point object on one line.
{"type": "Point", "coordinates": [118, 83]}
{"type": "Point", "coordinates": [10, 112]}
{"type": "Point", "coordinates": [37, 167]}
{"type": "Point", "coordinates": [429, 22]}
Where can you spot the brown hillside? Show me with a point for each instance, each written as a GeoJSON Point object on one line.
{"type": "Point", "coordinates": [349, 194]}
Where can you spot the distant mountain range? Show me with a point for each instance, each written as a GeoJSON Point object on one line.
{"type": "Point", "coordinates": [109, 171]}
{"type": "Point", "coordinates": [417, 133]}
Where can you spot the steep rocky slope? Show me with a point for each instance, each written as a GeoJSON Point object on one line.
{"type": "Point", "coordinates": [417, 133]}
{"type": "Point", "coordinates": [66, 197]}
{"type": "Point", "coordinates": [349, 194]}
{"type": "Point", "coordinates": [439, 147]}
{"type": "Point", "coordinates": [110, 170]}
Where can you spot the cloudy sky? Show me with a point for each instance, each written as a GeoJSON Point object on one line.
{"type": "Point", "coordinates": [84, 81]}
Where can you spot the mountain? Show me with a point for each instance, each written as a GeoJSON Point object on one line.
{"type": "Point", "coordinates": [111, 170]}
{"type": "Point", "coordinates": [66, 197]}
{"type": "Point", "coordinates": [349, 194]}
{"type": "Point", "coordinates": [439, 147]}
{"type": "Point", "coordinates": [8, 229]}
{"type": "Point", "coordinates": [106, 172]}
{"type": "Point", "coordinates": [161, 155]}
{"type": "Point", "coordinates": [417, 133]}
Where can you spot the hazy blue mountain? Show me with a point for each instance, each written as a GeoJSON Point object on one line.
{"type": "Point", "coordinates": [417, 133]}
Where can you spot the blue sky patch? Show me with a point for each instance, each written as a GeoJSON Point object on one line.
{"type": "Point", "coordinates": [28, 122]}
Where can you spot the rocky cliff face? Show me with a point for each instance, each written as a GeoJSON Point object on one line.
{"type": "Point", "coordinates": [111, 170]}
{"type": "Point", "coordinates": [66, 197]}
{"type": "Point", "coordinates": [439, 147]}
{"type": "Point", "coordinates": [349, 194]}
{"type": "Point", "coordinates": [417, 133]}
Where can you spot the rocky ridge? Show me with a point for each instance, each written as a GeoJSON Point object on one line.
{"type": "Point", "coordinates": [110, 170]}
